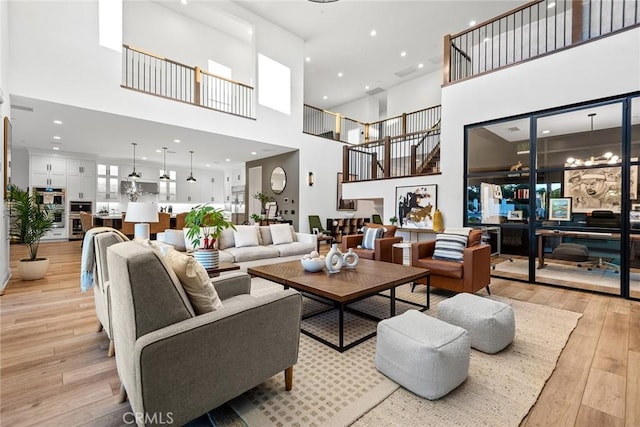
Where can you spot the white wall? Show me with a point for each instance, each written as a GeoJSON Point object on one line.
{"type": "Point", "coordinates": [153, 28]}
{"type": "Point", "coordinates": [364, 110]}
{"type": "Point", "coordinates": [417, 94]}
{"type": "Point", "coordinates": [606, 67]}
{"type": "Point", "coordinates": [5, 270]}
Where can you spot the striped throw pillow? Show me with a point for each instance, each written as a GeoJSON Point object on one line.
{"type": "Point", "coordinates": [370, 235]}
{"type": "Point", "coordinates": [449, 247]}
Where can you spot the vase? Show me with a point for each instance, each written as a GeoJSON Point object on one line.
{"type": "Point", "coordinates": [438, 223]}
{"type": "Point", "coordinates": [33, 270]}
{"type": "Point", "coordinates": [351, 259]}
{"type": "Point", "coordinates": [334, 259]}
{"type": "Point", "coordinates": [209, 258]}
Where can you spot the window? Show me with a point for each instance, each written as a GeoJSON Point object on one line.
{"type": "Point", "coordinates": [274, 85]}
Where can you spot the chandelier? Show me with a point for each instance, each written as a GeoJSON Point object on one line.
{"type": "Point", "coordinates": [134, 175]}
{"type": "Point", "coordinates": [607, 158]}
{"type": "Point", "coordinates": [164, 176]}
{"type": "Point", "coordinates": [191, 178]}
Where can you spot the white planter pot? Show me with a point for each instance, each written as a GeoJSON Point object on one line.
{"type": "Point", "coordinates": [33, 270]}
{"type": "Point", "coordinates": [207, 257]}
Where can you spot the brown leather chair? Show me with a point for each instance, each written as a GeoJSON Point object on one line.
{"type": "Point", "coordinates": [470, 275]}
{"type": "Point", "coordinates": [180, 220]}
{"type": "Point", "coordinates": [164, 222]}
{"type": "Point", "coordinates": [383, 247]}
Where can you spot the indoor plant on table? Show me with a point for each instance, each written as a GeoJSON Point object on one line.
{"type": "Point", "coordinates": [33, 222]}
{"type": "Point", "coordinates": [205, 223]}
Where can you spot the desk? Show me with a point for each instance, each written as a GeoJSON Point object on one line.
{"type": "Point", "coordinates": [113, 221]}
{"type": "Point", "coordinates": [541, 234]}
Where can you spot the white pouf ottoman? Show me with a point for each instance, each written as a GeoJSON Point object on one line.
{"type": "Point", "coordinates": [423, 354]}
{"type": "Point", "coordinates": [490, 323]}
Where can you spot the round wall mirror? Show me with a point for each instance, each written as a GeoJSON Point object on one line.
{"type": "Point", "coordinates": [278, 180]}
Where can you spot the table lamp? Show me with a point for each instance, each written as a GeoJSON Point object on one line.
{"type": "Point", "coordinates": [142, 214]}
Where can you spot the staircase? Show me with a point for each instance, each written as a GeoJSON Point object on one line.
{"type": "Point", "coordinates": [431, 164]}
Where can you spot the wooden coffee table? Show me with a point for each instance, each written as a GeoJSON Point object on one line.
{"type": "Point", "coordinates": [223, 266]}
{"type": "Point", "coordinates": [345, 287]}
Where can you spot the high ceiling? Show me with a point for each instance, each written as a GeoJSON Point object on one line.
{"type": "Point", "coordinates": [337, 39]}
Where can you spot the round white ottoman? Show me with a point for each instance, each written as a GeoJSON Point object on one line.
{"type": "Point", "coordinates": [423, 354]}
{"type": "Point", "coordinates": [490, 323]}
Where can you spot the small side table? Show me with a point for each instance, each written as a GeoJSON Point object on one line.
{"type": "Point", "coordinates": [223, 266]}
{"type": "Point", "coordinates": [398, 252]}
{"type": "Point", "coordinates": [323, 239]}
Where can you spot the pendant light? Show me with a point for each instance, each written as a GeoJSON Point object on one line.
{"type": "Point", "coordinates": [164, 176]}
{"type": "Point", "coordinates": [191, 178]}
{"type": "Point", "coordinates": [134, 174]}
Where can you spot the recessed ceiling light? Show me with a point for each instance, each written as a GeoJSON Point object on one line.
{"type": "Point", "coordinates": [158, 151]}
{"type": "Point", "coordinates": [403, 53]}
{"type": "Point", "coordinates": [366, 88]}
{"type": "Point", "coordinates": [58, 122]}
{"type": "Point", "coordinates": [544, 132]}
{"type": "Point", "coordinates": [183, 1]}
{"type": "Point", "coordinates": [208, 165]}
{"type": "Point", "coordinates": [308, 59]}
{"type": "Point", "coordinates": [420, 65]}
{"type": "Point", "coordinates": [227, 160]}
{"type": "Point", "coordinates": [472, 23]}
{"type": "Point", "coordinates": [324, 97]}
{"type": "Point", "coordinates": [486, 39]}
{"type": "Point", "coordinates": [56, 137]}
{"type": "Point", "coordinates": [339, 74]}
{"type": "Point", "coordinates": [373, 33]}
{"type": "Point", "coordinates": [177, 141]}
{"type": "Point", "coordinates": [250, 32]}
{"type": "Point", "coordinates": [253, 153]}
{"type": "Point", "coordinates": [56, 148]}
{"type": "Point", "coordinates": [551, 5]}
{"type": "Point", "coordinates": [144, 158]}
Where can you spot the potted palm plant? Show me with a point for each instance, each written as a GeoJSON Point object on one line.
{"type": "Point", "coordinates": [32, 222]}
{"type": "Point", "coordinates": [205, 223]}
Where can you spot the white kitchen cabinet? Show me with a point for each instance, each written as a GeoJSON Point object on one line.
{"type": "Point", "coordinates": [56, 234]}
{"type": "Point", "coordinates": [107, 182]}
{"type": "Point", "coordinates": [238, 177]}
{"type": "Point", "coordinates": [190, 192]}
{"type": "Point", "coordinates": [81, 180]}
{"type": "Point", "coordinates": [168, 189]}
{"type": "Point", "coordinates": [48, 171]}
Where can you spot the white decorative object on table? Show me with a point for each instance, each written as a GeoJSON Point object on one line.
{"type": "Point", "coordinates": [312, 265]}
{"type": "Point", "coordinates": [334, 259]}
{"type": "Point", "coordinates": [350, 259]}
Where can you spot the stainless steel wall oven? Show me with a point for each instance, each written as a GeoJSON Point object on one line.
{"type": "Point", "coordinates": [53, 199]}
{"type": "Point", "coordinates": [75, 224]}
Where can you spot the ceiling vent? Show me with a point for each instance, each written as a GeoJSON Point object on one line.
{"type": "Point", "coordinates": [375, 91]}
{"type": "Point", "coordinates": [405, 72]}
{"type": "Point", "coordinates": [513, 129]}
{"type": "Point", "coordinates": [22, 107]}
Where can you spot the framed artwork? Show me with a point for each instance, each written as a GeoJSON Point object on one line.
{"type": "Point", "coordinates": [345, 204]}
{"type": "Point", "coordinates": [416, 205]}
{"type": "Point", "coordinates": [7, 153]}
{"type": "Point", "coordinates": [560, 209]}
{"type": "Point", "coordinates": [514, 215]}
{"type": "Point", "coordinates": [598, 188]}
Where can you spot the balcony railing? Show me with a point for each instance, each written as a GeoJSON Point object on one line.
{"type": "Point", "coordinates": [416, 153]}
{"type": "Point", "coordinates": [334, 126]}
{"type": "Point", "coordinates": [535, 29]}
{"type": "Point", "coordinates": [155, 75]}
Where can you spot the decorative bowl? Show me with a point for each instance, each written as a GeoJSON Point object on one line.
{"type": "Point", "coordinates": [312, 265]}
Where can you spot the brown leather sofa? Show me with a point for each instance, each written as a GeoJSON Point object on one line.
{"type": "Point", "coordinates": [383, 250]}
{"type": "Point", "coordinates": [471, 275]}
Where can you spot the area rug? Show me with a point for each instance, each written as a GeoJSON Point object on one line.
{"type": "Point", "coordinates": [338, 389]}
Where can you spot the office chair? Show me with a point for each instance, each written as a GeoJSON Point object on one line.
{"type": "Point", "coordinates": [603, 219]}
{"type": "Point", "coordinates": [375, 218]}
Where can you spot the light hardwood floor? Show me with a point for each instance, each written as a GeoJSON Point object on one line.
{"type": "Point", "coordinates": [54, 368]}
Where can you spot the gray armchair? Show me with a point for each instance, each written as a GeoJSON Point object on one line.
{"type": "Point", "coordinates": [170, 360]}
{"type": "Point", "coordinates": [101, 241]}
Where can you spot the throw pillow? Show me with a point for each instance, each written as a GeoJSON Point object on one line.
{"type": "Point", "coordinates": [195, 281]}
{"type": "Point", "coordinates": [281, 233]}
{"type": "Point", "coordinates": [246, 235]}
{"type": "Point", "coordinates": [370, 235]}
{"type": "Point", "coordinates": [226, 239]}
{"type": "Point", "coordinates": [449, 247]}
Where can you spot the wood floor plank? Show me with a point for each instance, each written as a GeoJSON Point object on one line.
{"type": "Point", "coordinates": [605, 392]}
{"type": "Point", "coordinates": [611, 353]}
{"type": "Point", "coordinates": [632, 414]}
{"type": "Point", "coordinates": [634, 328]}
{"type": "Point", "coordinates": [589, 417]}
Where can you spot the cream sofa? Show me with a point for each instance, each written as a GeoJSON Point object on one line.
{"type": "Point", "coordinates": [240, 247]}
